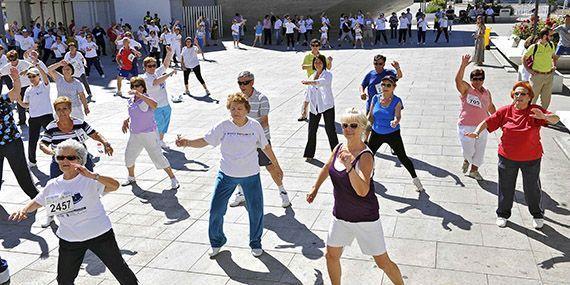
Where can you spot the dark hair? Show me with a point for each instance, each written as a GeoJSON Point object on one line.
{"type": "Point", "coordinates": [70, 66]}
{"type": "Point", "coordinates": [315, 41]}
{"type": "Point", "coordinates": [138, 81]}
{"type": "Point", "coordinates": [543, 32]}
{"type": "Point", "coordinates": [322, 58]}
{"type": "Point", "coordinates": [379, 57]}
{"type": "Point", "coordinates": [477, 72]}
{"type": "Point", "coordinates": [188, 39]}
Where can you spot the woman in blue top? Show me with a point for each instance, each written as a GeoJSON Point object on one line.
{"type": "Point", "coordinates": [385, 115]}
{"type": "Point", "coordinates": [258, 33]}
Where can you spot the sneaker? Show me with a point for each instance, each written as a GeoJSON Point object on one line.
{"type": "Point", "coordinates": [284, 199]}
{"type": "Point", "coordinates": [177, 99]}
{"type": "Point", "coordinates": [465, 166]}
{"type": "Point", "coordinates": [164, 146]}
{"type": "Point", "coordinates": [538, 223]}
{"type": "Point", "coordinates": [214, 251]}
{"type": "Point", "coordinates": [239, 200]}
{"type": "Point", "coordinates": [257, 252]}
{"type": "Point", "coordinates": [418, 183]}
{"type": "Point", "coordinates": [174, 184]}
{"type": "Point", "coordinates": [207, 93]}
{"type": "Point", "coordinates": [32, 164]}
{"type": "Point", "coordinates": [475, 175]}
{"type": "Point", "coordinates": [186, 93]}
{"type": "Point", "coordinates": [119, 94]}
{"type": "Point", "coordinates": [302, 118]}
{"type": "Point", "coordinates": [102, 75]}
{"type": "Point", "coordinates": [47, 222]}
{"type": "Point", "coordinates": [130, 180]}
{"type": "Point", "coordinates": [501, 222]}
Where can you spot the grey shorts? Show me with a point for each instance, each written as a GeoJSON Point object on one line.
{"type": "Point", "coordinates": [263, 159]}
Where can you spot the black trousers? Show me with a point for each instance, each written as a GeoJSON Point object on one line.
{"type": "Point", "coordinates": [14, 153]}
{"type": "Point", "coordinates": [105, 247]}
{"type": "Point", "coordinates": [444, 30]}
{"type": "Point", "coordinates": [266, 36]}
{"type": "Point", "coordinates": [83, 80]}
{"type": "Point", "coordinates": [393, 32]}
{"type": "Point", "coordinates": [379, 35]}
{"type": "Point", "coordinates": [47, 53]}
{"type": "Point", "coordinates": [314, 121]}
{"type": "Point", "coordinates": [101, 44]}
{"type": "Point", "coordinates": [402, 35]}
{"type": "Point", "coordinates": [508, 172]}
{"type": "Point", "coordinates": [22, 110]}
{"type": "Point", "coordinates": [36, 125]}
{"type": "Point", "coordinates": [156, 54]}
{"type": "Point", "coordinates": [196, 72]}
{"type": "Point", "coordinates": [93, 61]}
{"type": "Point", "coordinates": [421, 36]}
{"type": "Point", "coordinates": [394, 140]}
{"type": "Point", "coordinates": [290, 39]}
{"type": "Point", "coordinates": [410, 30]}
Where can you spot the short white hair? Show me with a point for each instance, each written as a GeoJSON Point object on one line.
{"type": "Point", "coordinates": [78, 147]}
{"type": "Point", "coordinates": [246, 74]}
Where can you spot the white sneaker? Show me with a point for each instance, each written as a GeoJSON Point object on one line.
{"type": "Point", "coordinates": [538, 223]}
{"type": "Point", "coordinates": [418, 184]}
{"type": "Point", "coordinates": [176, 99]}
{"type": "Point", "coordinates": [163, 145]}
{"type": "Point", "coordinates": [130, 180]}
{"type": "Point", "coordinates": [214, 251]}
{"type": "Point", "coordinates": [284, 200]}
{"type": "Point", "coordinates": [475, 175]}
{"type": "Point", "coordinates": [501, 222]}
{"type": "Point", "coordinates": [31, 164]}
{"type": "Point", "coordinates": [257, 252]}
{"type": "Point", "coordinates": [465, 166]}
{"type": "Point", "coordinates": [103, 76]}
{"type": "Point", "coordinates": [239, 200]}
{"type": "Point", "coordinates": [47, 222]}
{"type": "Point", "coordinates": [118, 94]}
{"type": "Point", "coordinates": [174, 184]}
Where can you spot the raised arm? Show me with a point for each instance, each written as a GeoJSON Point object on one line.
{"type": "Point", "coordinates": [461, 85]}
{"type": "Point", "coordinates": [52, 70]}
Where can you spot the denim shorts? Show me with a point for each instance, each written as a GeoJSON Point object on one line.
{"type": "Point", "coordinates": [236, 37]}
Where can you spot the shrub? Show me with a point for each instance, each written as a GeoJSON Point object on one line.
{"type": "Point", "coordinates": [523, 30]}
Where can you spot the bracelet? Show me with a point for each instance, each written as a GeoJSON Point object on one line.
{"type": "Point", "coordinates": [96, 177]}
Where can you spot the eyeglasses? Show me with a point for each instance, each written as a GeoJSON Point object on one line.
{"type": "Point", "coordinates": [68, 157]}
{"type": "Point", "coordinates": [243, 83]}
{"type": "Point", "coordinates": [379, 63]}
{"type": "Point", "coordinates": [136, 86]}
{"type": "Point", "coordinates": [478, 79]}
{"type": "Point", "coordinates": [351, 125]}
{"type": "Point", "coordinates": [517, 94]}
{"type": "Point", "coordinates": [386, 85]}
{"type": "Point", "coordinates": [315, 45]}
{"type": "Point", "coordinates": [151, 65]}
{"type": "Point", "coordinates": [32, 76]}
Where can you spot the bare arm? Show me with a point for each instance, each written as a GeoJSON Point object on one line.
{"type": "Point", "coordinates": [492, 109]}
{"type": "Point", "coordinates": [264, 121]}
{"type": "Point", "coordinates": [161, 79]}
{"type": "Point", "coordinates": [323, 175]}
{"type": "Point", "coordinates": [197, 143]}
{"type": "Point", "coordinates": [22, 214]}
{"type": "Point", "coordinates": [461, 85]}
{"type": "Point", "coordinates": [360, 179]}
{"type": "Point", "coordinates": [168, 58]}
{"type": "Point", "coordinates": [52, 70]}
{"type": "Point", "coordinates": [99, 137]}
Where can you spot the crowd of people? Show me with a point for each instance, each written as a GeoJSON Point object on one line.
{"type": "Point", "coordinates": [73, 193]}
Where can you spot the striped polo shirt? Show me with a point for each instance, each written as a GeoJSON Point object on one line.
{"type": "Point", "coordinates": [54, 136]}
{"type": "Point", "coordinates": [259, 108]}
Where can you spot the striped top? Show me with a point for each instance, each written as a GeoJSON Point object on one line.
{"type": "Point", "coordinates": [54, 136]}
{"type": "Point", "coordinates": [259, 108]}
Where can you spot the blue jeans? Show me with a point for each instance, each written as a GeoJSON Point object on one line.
{"type": "Point", "coordinates": [223, 189]}
{"type": "Point", "coordinates": [54, 170]}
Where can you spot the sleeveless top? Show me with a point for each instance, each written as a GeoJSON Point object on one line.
{"type": "Point", "coordinates": [383, 115]}
{"type": "Point", "coordinates": [348, 205]}
{"type": "Point", "coordinates": [474, 107]}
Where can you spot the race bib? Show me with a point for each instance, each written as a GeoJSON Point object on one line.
{"type": "Point", "coordinates": [81, 135]}
{"type": "Point", "coordinates": [97, 34]}
{"type": "Point", "coordinates": [60, 204]}
{"type": "Point", "coordinates": [131, 57]}
{"type": "Point", "coordinates": [378, 88]}
{"type": "Point", "coordinates": [474, 101]}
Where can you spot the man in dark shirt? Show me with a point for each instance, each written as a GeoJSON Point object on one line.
{"type": "Point", "coordinates": [450, 13]}
{"type": "Point", "coordinates": [100, 34]}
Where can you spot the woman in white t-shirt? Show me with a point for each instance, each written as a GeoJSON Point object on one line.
{"type": "Point", "coordinates": [239, 137]}
{"type": "Point", "coordinates": [236, 27]}
{"type": "Point", "coordinates": [176, 44]}
{"type": "Point", "coordinates": [91, 56]}
{"type": "Point", "coordinates": [68, 86]}
{"type": "Point", "coordinates": [141, 36]}
{"type": "Point", "coordinates": [165, 40]}
{"type": "Point", "coordinates": [78, 62]}
{"type": "Point", "coordinates": [358, 35]}
{"type": "Point", "coordinates": [325, 35]}
{"type": "Point", "coordinates": [37, 100]}
{"type": "Point", "coordinates": [154, 45]}
{"type": "Point", "coordinates": [190, 63]}
{"type": "Point", "coordinates": [75, 199]}
{"type": "Point", "coordinates": [403, 28]}
{"type": "Point", "coordinates": [59, 48]}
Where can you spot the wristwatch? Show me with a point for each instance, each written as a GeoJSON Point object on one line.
{"type": "Point", "coordinates": [96, 177]}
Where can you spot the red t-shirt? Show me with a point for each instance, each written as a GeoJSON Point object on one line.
{"type": "Point", "coordinates": [521, 132]}
{"type": "Point", "coordinates": [125, 56]}
{"type": "Point", "coordinates": [111, 34]}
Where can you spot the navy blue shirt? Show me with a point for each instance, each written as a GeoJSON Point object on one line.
{"type": "Point", "coordinates": [8, 129]}
{"type": "Point", "coordinates": [372, 82]}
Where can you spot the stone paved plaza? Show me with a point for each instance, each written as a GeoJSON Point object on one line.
{"type": "Point", "coordinates": [446, 235]}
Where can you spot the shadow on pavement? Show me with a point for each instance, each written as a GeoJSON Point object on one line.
{"type": "Point", "coordinates": [94, 266]}
{"type": "Point", "coordinates": [316, 162]}
{"type": "Point", "coordinates": [12, 233]}
{"type": "Point", "coordinates": [549, 237]}
{"type": "Point", "coordinates": [424, 166]}
{"type": "Point", "coordinates": [42, 177]}
{"type": "Point", "coordinates": [426, 207]}
{"type": "Point", "coordinates": [296, 234]}
{"type": "Point", "coordinates": [178, 161]}
{"type": "Point", "coordinates": [166, 202]}
{"type": "Point", "coordinates": [277, 270]}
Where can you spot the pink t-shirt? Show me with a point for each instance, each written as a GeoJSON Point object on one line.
{"type": "Point", "coordinates": [474, 107]}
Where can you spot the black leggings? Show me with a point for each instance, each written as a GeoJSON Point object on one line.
{"type": "Point", "coordinates": [402, 35]}
{"type": "Point", "coordinates": [314, 126]}
{"type": "Point", "coordinates": [290, 39]}
{"type": "Point", "coordinates": [14, 153]}
{"type": "Point", "coordinates": [394, 140]}
{"type": "Point", "coordinates": [421, 36]}
{"type": "Point", "coordinates": [105, 247]}
{"type": "Point", "coordinates": [36, 125]}
{"type": "Point", "coordinates": [444, 30]}
{"type": "Point", "coordinates": [379, 35]}
{"type": "Point", "coordinates": [196, 72]}
{"type": "Point", "coordinates": [93, 61]}
{"type": "Point", "coordinates": [83, 80]}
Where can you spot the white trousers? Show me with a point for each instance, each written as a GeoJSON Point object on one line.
{"type": "Point", "coordinates": [473, 149]}
{"type": "Point", "coordinates": [149, 142]}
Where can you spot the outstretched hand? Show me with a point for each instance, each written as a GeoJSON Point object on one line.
{"type": "Point", "coordinates": [465, 60]}
{"type": "Point", "coordinates": [537, 114]}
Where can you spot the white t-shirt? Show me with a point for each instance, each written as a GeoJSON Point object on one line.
{"type": "Point", "coordinates": [88, 219]}
{"type": "Point", "coordinates": [3, 60]}
{"type": "Point", "coordinates": [153, 42]}
{"type": "Point", "coordinates": [22, 66]}
{"type": "Point", "coordinates": [490, 11]}
{"type": "Point", "coordinates": [153, 28]}
{"type": "Point", "coordinates": [90, 49]}
{"type": "Point", "coordinates": [289, 28]}
{"type": "Point", "coordinates": [422, 24]}
{"type": "Point", "coordinates": [190, 57]}
{"type": "Point", "coordinates": [39, 99]}
{"type": "Point", "coordinates": [76, 62]}
{"type": "Point", "coordinates": [309, 24]}
{"type": "Point", "coordinates": [238, 146]}
{"type": "Point", "coordinates": [58, 49]}
{"type": "Point", "coordinates": [278, 24]}
{"type": "Point", "coordinates": [404, 22]}
{"type": "Point", "coordinates": [26, 43]}
{"type": "Point", "coordinates": [166, 38]}
{"type": "Point", "coordinates": [235, 29]}
{"type": "Point", "coordinates": [81, 42]}
{"type": "Point", "coordinates": [381, 24]}
{"type": "Point", "coordinates": [324, 30]}
{"type": "Point", "coordinates": [156, 92]}
{"type": "Point", "coordinates": [176, 40]}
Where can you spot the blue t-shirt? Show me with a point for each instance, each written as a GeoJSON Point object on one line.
{"type": "Point", "coordinates": [258, 29]}
{"type": "Point", "coordinates": [372, 82]}
{"type": "Point", "coordinates": [384, 115]}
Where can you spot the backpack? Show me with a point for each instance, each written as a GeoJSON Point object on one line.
{"type": "Point", "coordinates": [530, 59]}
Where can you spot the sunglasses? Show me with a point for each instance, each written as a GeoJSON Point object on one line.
{"type": "Point", "coordinates": [32, 76]}
{"type": "Point", "coordinates": [386, 85]}
{"type": "Point", "coordinates": [135, 86]}
{"type": "Point", "coordinates": [351, 125]}
{"type": "Point", "coordinates": [61, 109]}
{"type": "Point", "coordinates": [13, 59]}
{"type": "Point", "coordinates": [315, 45]}
{"type": "Point", "coordinates": [243, 83]}
{"type": "Point", "coordinates": [478, 79]}
{"type": "Point", "coordinates": [68, 157]}
{"type": "Point", "coordinates": [517, 94]}
{"type": "Point", "coordinates": [151, 65]}
{"type": "Point", "coordinates": [379, 63]}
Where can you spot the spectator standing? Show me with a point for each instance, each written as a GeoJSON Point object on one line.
{"type": "Point", "coordinates": [541, 67]}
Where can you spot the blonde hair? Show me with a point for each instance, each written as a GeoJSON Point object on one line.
{"type": "Point", "coordinates": [238, 98]}
{"type": "Point", "coordinates": [356, 116]}
{"type": "Point", "coordinates": [62, 100]}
